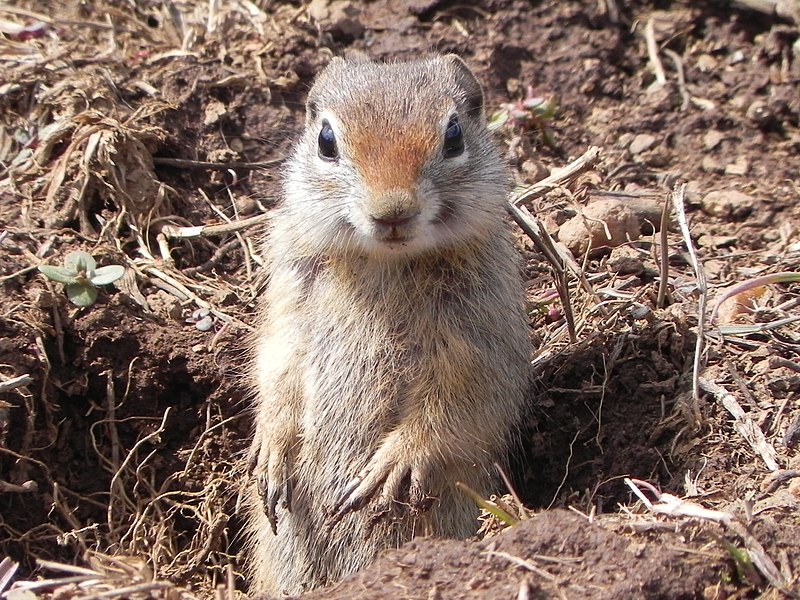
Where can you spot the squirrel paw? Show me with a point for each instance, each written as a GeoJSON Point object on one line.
{"type": "Point", "coordinates": [270, 468]}
{"type": "Point", "coordinates": [392, 476]}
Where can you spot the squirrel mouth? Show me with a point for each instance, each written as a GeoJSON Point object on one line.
{"type": "Point", "coordinates": [392, 233]}
{"type": "Point", "coordinates": [393, 238]}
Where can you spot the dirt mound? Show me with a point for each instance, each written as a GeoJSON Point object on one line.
{"type": "Point", "coordinates": [556, 554]}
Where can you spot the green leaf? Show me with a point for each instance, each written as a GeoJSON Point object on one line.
{"type": "Point", "coordinates": [80, 261]}
{"type": "Point", "coordinates": [81, 295]}
{"type": "Point", "coordinates": [490, 507]}
{"type": "Point", "coordinates": [497, 120]}
{"type": "Point", "coordinates": [741, 558]}
{"type": "Point", "coordinates": [57, 274]}
{"type": "Point", "coordinates": [106, 275]}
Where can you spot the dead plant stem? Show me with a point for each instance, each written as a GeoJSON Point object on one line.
{"type": "Point", "coordinates": [652, 52]}
{"type": "Point", "coordinates": [115, 480]}
{"type": "Point", "coordinates": [678, 201]}
{"type": "Point", "coordinates": [663, 284]}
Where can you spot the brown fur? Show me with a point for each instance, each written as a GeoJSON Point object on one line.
{"type": "Point", "coordinates": [390, 360]}
{"type": "Point", "coordinates": [388, 163]}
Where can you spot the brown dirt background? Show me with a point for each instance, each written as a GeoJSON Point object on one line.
{"type": "Point", "coordinates": [121, 452]}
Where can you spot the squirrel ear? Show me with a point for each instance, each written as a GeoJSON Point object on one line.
{"type": "Point", "coordinates": [312, 106]}
{"type": "Point", "coordinates": [356, 56]}
{"type": "Point", "coordinates": [335, 63]}
{"type": "Point", "coordinates": [473, 93]}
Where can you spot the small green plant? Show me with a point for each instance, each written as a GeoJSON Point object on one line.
{"type": "Point", "coordinates": [532, 112]}
{"type": "Point", "coordinates": [81, 276]}
{"type": "Point", "coordinates": [488, 506]}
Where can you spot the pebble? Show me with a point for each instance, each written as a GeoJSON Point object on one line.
{"type": "Point", "coordinates": [706, 63]}
{"type": "Point", "coordinates": [728, 203]}
{"type": "Point", "coordinates": [534, 170]}
{"type": "Point", "coordinates": [626, 260]}
{"type": "Point", "coordinates": [712, 139]}
{"type": "Point", "coordinates": [716, 241]}
{"type": "Point", "coordinates": [340, 17]}
{"type": "Point", "coordinates": [760, 113]}
{"type": "Point", "coordinates": [642, 143]}
{"type": "Point", "coordinates": [738, 167]}
{"type": "Point", "coordinates": [610, 223]}
{"type": "Point", "coordinates": [711, 164]}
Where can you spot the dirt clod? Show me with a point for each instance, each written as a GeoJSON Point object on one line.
{"type": "Point", "coordinates": [642, 143]}
{"type": "Point", "coordinates": [728, 203]}
{"type": "Point", "coordinates": [601, 224]}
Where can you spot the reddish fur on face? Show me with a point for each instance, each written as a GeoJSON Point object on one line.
{"type": "Point", "coordinates": [390, 158]}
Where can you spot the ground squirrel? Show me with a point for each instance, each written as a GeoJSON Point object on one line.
{"type": "Point", "coordinates": [391, 352]}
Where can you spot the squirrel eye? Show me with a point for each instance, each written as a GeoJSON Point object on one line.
{"type": "Point", "coordinates": [453, 138]}
{"type": "Point", "coordinates": [327, 142]}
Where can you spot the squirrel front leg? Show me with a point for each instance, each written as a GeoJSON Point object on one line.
{"type": "Point", "coordinates": [398, 469]}
{"type": "Point", "coordinates": [270, 464]}
{"type": "Point", "coordinates": [407, 468]}
{"type": "Point", "coordinates": [277, 432]}
{"type": "Point", "coordinates": [451, 425]}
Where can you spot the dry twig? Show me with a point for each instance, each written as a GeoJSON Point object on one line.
{"type": "Point", "coordinates": [586, 161]}
{"type": "Point", "coordinates": [744, 425]}
{"type": "Point", "coordinates": [652, 52]}
{"type": "Point", "coordinates": [678, 195]}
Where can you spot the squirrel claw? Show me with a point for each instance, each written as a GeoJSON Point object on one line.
{"type": "Point", "coordinates": [353, 498]}
{"type": "Point", "coordinates": [269, 497]}
{"type": "Point", "coordinates": [390, 480]}
{"type": "Point", "coordinates": [273, 483]}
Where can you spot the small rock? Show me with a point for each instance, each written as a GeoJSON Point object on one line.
{"type": "Point", "coordinates": [716, 241]}
{"type": "Point", "coordinates": [214, 110]}
{"type": "Point", "coordinates": [604, 224]}
{"type": "Point", "coordinates": [534, 170]}
{"type": "Point", "coordinates": [715, 269]}
{"type": "Point", "coordinates": [245, 205]}
{"type": "Point", "coordinates": [236, 144]}
{"type": "Point", "coordinates": [693, 191]}
{"type": "Point", "coordinates": [740, 102]}
{"type": "Point", "coordinates": [738, 167]}
{"type": "Point", "coordinates": [642, 143]}
{"type": "Point", "coordinates": [712, 139]}
{"type": "Point", "coordinates": [165, 305]}
{"type": "Point", "coordinates": [624, 140]}
{"type": "Point", "coordinates": [339, 17]}
{"type": "Point", "coordinates": [760, 113]}
{"type": "Point", "coordinates": [663, 98]}
{"type": "Point", "coordinates": [513, 86]}
{"type": "Point", "coordinates": [712, 165]}
{"type": "Point", "coordinates": [737, 57]}
{"type": "Point", "coordinates": [319, 10]}
{"type": "Point", "coordinates": [640, 311]}
{"type": "Point", "coordinates": [728, 203]}
{"type": "Point", "coordinates": [706, 63]}
{"type": "Point", "coordinates": [658, 158]}
{"type": "Point", "coordinates": [626, 260]}
{"type": "Point", "coordinates": [345, 20]}
{"type": "Point", "coordinates": [743, 303]}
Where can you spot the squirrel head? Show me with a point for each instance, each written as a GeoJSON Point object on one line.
{"type": "Point", "coordinates": [395, 159]}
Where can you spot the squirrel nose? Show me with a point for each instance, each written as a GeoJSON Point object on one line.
{"type": "Point", "coordinates": [393, 220]}
{"type": "Point", "coordinates": [394, 208]}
